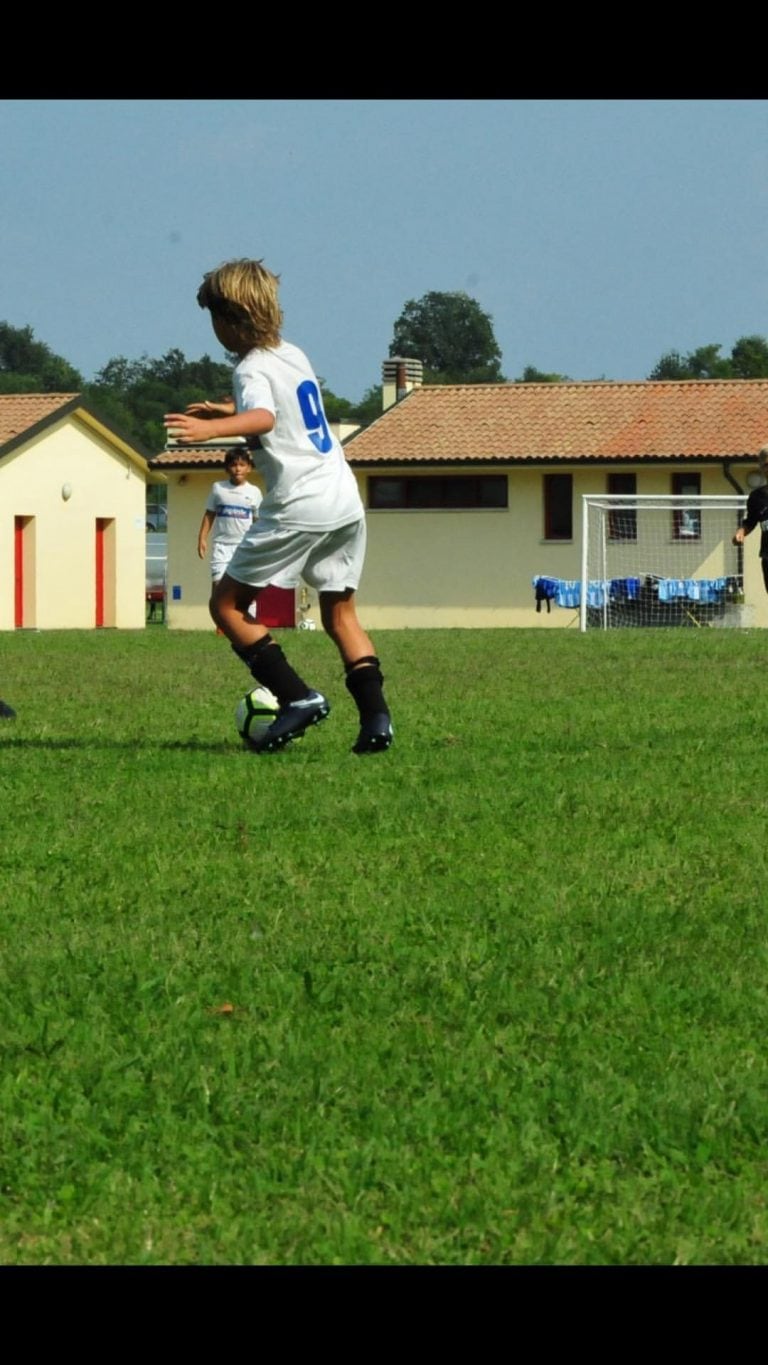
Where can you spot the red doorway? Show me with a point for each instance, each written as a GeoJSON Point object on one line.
{"type": "Point", "coordinates": [18, 572]}
{"type": "Point", "coordinates": [100, 524]}
{"type": "Point", "coordinates": [24, 573]}
{"type": "Point", "coordinates": [105, 573]}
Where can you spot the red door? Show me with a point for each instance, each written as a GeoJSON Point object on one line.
{"type": "Point", "coordinates": [18, 572]}
{"type": "Point", "coordinates": [100, 524]}
{"type": "Point", "coordinates": [276, 607]}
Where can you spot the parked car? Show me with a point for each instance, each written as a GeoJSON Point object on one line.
{"type": "Point", "coordinates": [156, 558]}
{"type": "Point", "coordinates": [157, 516]}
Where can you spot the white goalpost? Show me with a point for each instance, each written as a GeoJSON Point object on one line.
{"type": "Point", "coordinates": [664, 560]}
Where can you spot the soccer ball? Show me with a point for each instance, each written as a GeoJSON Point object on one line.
{"type": "Point", "coordinates": [255, 713]}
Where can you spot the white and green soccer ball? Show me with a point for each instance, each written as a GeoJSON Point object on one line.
{"type": "Point", "coordinates": [255, 713]}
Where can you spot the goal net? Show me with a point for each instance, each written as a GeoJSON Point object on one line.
{"type": "Point", "coordinates": [660, 561]}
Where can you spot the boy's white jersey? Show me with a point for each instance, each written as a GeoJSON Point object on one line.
{"type": "Point", "coordinates": [309, 484]}
{"type": "Point", "coordinates": [234, 507]}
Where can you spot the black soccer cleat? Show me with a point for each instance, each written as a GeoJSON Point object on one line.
{"type": "Point", "coordinates": [376, 733]}
{"type": "Point", "coordinates": [6, 712]}
{"type": "Point", "coordinates": [290, 723]}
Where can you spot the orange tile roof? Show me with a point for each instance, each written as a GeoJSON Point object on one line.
{"type": "Point", "coordinates": [20, 411]}
{"type": "Point", "coordinates": [604, 420]}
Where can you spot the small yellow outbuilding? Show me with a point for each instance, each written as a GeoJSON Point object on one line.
{"type": "Point", "coordinates": [72, 517]}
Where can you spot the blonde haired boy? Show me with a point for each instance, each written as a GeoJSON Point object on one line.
{"type": "Point", "coordinates": [311, 522]}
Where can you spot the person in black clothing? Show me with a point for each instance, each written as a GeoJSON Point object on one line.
{"type": "Point", "coordinates": [757, 514]}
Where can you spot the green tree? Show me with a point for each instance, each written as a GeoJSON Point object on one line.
{"type": "Point", "coordinates": [119, 374]}
{"type": "Point", "coordinates": [369, 407]}
{"type": "Point", "coordinates": [135, 394]}
{"type": "Point", "coordinates": [748, 360]}
{"type": "Point", "coordinates": [706, 362]}
{"type": "Point", "coordinates": [343, 410]}
{"type": "Point", "coordinates": [452, 337]}
{"type": "Point", "coordinates": [112, 409]}
{"type": "Point", "coordinates": [703, 363]}
{"type": "Point", "coordinates": [29, 366]}
{"type": "Point", "coordinates": [672, 365]}
{"type": "Point", "coordinates": [533, 376]}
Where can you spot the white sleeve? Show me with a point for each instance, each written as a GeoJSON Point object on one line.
{"type": "Point", "coordinates": [253, 390]}
{"type": "Point", "coordinates": [213, 500]}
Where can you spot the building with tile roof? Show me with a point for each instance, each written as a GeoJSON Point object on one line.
{"type": "Point", "coordinates": [72, 516]}
{"type": "Point", "coordinates": [473, 490]}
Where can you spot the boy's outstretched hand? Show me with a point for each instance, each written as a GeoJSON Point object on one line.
{"type": "Point", "coordinates": [193, 430]}
{"type": "Point", "coordinates": [187, 428]}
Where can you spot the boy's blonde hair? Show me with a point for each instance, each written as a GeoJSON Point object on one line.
{"type": "Point", "coordinates": [244, 295]}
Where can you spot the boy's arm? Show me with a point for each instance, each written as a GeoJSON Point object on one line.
{"type": "Point", "coordinates": [202, 535]}
{"type": "Point", "coordinates": [254, 422]}
{"type": "Point", "coordinates": [751, 518]}
{"type": "Point", "coordinates": [224, 408]}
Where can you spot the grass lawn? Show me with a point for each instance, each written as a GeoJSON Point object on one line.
{"type": "Point", "coordinates": [498, 996]}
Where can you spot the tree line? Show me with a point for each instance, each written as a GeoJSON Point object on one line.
{"type": "Point", "coordinates": [448, 332]}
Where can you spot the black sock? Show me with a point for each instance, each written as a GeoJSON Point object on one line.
{"type": "Point", "coordinates": [365, 681]}
{"type": "Point", "coordinates": [270, 667]}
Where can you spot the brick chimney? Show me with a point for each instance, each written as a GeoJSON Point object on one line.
{"type": "Point", "coordinates": [399, 376]}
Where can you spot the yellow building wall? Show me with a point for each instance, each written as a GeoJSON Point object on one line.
{"type": "Point", "coordinates": [474, 568]}
{"type": "Point", "coordinates": [60, 573]}
{"type": "Point", "coordinates": [452, 568]}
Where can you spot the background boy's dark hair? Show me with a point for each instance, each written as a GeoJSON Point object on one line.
{"type": "Point", "coordinates": [238, 453]}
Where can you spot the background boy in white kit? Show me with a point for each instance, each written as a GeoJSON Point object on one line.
{"type": "Point", "coordinates": [311, 522]}
{"type": "Point", "coordinates": [232, 504]}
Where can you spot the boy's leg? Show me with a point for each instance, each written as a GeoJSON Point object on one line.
{"type": "Point", "coordinates": [300, 705]}
{"type": "Point", "coordinates": [216, 578]}
{"type": "Point", "coordinates": [364, 679]}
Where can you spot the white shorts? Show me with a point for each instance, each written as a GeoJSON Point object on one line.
{"type": "Point", "coordinates": [329, 561]}
{"type": "Point", "coordinates": [220, 557]}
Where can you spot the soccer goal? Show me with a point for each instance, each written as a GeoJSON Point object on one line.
{"type": "Point", "coordinates": [660, 560]}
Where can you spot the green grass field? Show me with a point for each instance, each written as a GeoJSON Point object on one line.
{"type": "Point", "coordinates": [499, 996]}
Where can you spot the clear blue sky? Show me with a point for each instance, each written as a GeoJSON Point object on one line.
{"type": "Point", "coordinates": [598, 234]}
